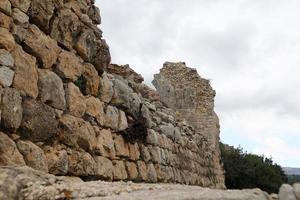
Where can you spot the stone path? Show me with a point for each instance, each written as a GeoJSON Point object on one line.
{"type": "Point", "coordinates": [28, 184]}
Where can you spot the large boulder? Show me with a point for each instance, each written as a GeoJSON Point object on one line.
{"type": "Point", "coordinates": [75, 100]}
{"type": "Point", "coordinates": [39, 122]}
{"type": "Point", "coordinates": [286, 192]}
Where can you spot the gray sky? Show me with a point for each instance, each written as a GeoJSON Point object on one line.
{"type": "Point", "coordinates": [250, 49]}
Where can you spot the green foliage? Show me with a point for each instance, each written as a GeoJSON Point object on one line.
{"type": "Point", "coordinates": [81, 83]}
{"type": "Point", "coordinates": [293, 179]}
{"type": "Point", "coordinates": [245, 170]}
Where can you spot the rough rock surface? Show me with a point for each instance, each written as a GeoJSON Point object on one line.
{"type": "Point", "coordinates": [25, 183]}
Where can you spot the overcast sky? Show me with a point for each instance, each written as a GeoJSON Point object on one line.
{"type": "Point", "coordinates": [249, 49]}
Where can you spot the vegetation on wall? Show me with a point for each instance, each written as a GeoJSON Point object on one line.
{"type": "Point", "coordinates": [246, 170]}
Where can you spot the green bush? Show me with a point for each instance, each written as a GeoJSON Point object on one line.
{"type": "Point", "coordinates": [245, 170]}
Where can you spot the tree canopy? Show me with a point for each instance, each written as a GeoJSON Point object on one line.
{"type": "Point", "coordinates": [246, 170]}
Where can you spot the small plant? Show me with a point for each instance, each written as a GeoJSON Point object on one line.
{"type": "Point", "coordinates": [81, 83]}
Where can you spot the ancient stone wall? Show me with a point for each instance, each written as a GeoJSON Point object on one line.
{"type": "Point", "coordinates": [66, 110]}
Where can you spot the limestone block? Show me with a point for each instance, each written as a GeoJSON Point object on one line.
{"type": "Point", "coordinates": [105, 144]}
{"type": "Point", "coordinates": [9, 153]}
{"type": "Point", "coordinates": [104, 168]}
{"type": "Point", "coordinates": [155, 154]}
{"type": "Point", "coordinates": [5, 6]}
{"type": "Point", "coordinates": [69, 66]}
{"type": "Point", "coordinates": [151, 173]}
{"type": "Point", "coordinates": [26, 75]}
{"type": "Point", "coordinates": [39, 122]}
{"type": "Point", "coordinates": [134, 152]}
{"type": "Point", "coordinates": [6, 76]}
{"type": "Point", "coordinates": [7, 41]}
{"type": "Point", "coordinates": [106, 90]}
{"type": "Point", "coordinates": [21, 4]}
{"type": "Point", "coordinates": [145, 155]}
{"type": "Point", "coordinates": [81, 164]}
{"type": "Point", "coordinates": [119, 170]}
{"type": "Point", "coordinates": [131, 170]}
{"type": "Point", "coordinates": [51, 89]}
{"type": "Point", "coordinates": [142, 169]}
{"type": "Point", "coordinates": [122, 149]}
{"type": "Point", "coordinates": [76, 132]}
{"type": "Point", "coordinates": [92, 80]}
{"type": "Point", "coordinates": [6, 58]}
{"type": "Point", "coordinates": [152, 137]}
{"type": "Point", "coordinates": [57, 160]}
{"type": "Point", "coordinates": [33, 155]}
{"type": "Point", "coordinates": [20, 18]}
{"type": "Point", "coordinates": [5, 21]}
{"type": "Point", "coordinates": [75, 100]}
{"type": "Point", "coordinates": [95, 108]}
{"type": "Point", "coordinates": [11, 108]}
{"type": "Point", "coordinates": [43, 47]}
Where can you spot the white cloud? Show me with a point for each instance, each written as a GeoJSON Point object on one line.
{"type": "Point", "coordinates": [250, 49]}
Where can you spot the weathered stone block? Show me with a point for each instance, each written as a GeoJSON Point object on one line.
{"type": "Point", "coordinates": [76, 132]}
{"type": "Point", "coordinates": [21, 4]}
{"type": "Point", "coordinates": [6, 76]}
{"type": "Point", "coordinates": [145, 155]}
{"type": "Point", "coordinates": [75, 100]}
{"type": "Point", "coordinates": [57, 160]}
{"type": "Point", "coordinates": [20, 18]}
{"type": "Point", "coordinates": [151, 173]}
{"type": "Point", "coordinates": [105, 144]}
{"type": "Point", "coordinates": [6, 58]}
{"type": "Point", "coordinates": [7, 41]}
{"type": "Point", "coordinates": [5, 21]}
{"type": "Point", "coordinates": [134, 152]}
{"type": "Point", "coordinates": [33, 155]}
{"type": "Point", "coordinates": [106, 90]}
{"type": "Point", "coordinates": [51, 89]}
{"type": "Point", "coordinates": [39, 122]}
{"type": "Point", "coordinates": [69, 66]}
{"type": "Point", "coordinates": [119, 170]}
{"type": "Point", "coordinates": [121, 146]}
{"type": "Point", "coordinates": [11, 108]}
{"type": "Point", "coordinates": [5, 6]}
{"type": "Point", "coordinates": [26, 75]}
{"type": "Point", "coordinates": [104, 168]}
{"type": "Point", "coordinates": [131, 170]}
{"type": "Point", "coordinates": [9, 153]}
{"type": "Point", "coordinates": [152, 137]}
{"type": "Point", "coordinates": [95, 108]}
{"type": "Point", "coordinates": [142, 169]}
{"type": "Point", "coordinates": [92, 80]}
{"type": "Point", "coordinates": [43, 47]}
{"type": "Point", "coordinates": [81, 164]}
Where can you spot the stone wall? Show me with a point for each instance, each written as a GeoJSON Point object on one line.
{"type": "Point", "coordinates": [66, 110]}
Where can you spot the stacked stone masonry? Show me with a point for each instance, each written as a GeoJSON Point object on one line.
{"type": "Point", "coordinates": [66, 110]}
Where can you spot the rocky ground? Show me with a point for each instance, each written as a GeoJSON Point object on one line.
{"type": "Point", "coordinates": [28, 184]}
